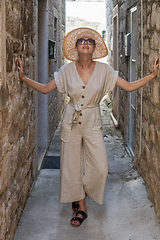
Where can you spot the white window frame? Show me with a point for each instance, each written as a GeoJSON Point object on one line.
{"type": "Point", "coordinates": [132, 95]}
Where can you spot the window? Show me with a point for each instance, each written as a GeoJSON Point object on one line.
{"type": "Point", "coordinates": [115, 94]}
{"type": "Point", "coordinates": [104, 35]}
{"type": "Point", "coordinates": [55, 39]}
{"type": "Point", "coordinates": [133, 75]}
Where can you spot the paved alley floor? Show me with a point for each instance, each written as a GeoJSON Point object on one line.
{"type": "Point", "coordinates": [126, 214]}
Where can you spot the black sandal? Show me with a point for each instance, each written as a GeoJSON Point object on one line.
{"type": "Point", "coordinates": [75, 206]}
{"type": "Point", "coordinates": [80, 220]}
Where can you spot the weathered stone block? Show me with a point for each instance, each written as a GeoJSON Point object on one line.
{"type": "Point", "coordinates": [157, 136]}
{"type": "Point", "coordinates": [17, 47]}
{"type": "Point", "coordinates": [5, 175]}
{"type": "Point", "coordinates": [150, 194]}
{"type": "Point", "coordinates": [9, 54]}
{"type": "Point", "coordinates": [32, 135]}
{"type": "Point", "coordinates": [2, 220]}
{"type": "Point", "coordinates": [145, 110]}
{"type": "Point", "coordinates": [152, 134]}
{"type": "Point", "coordinates": [154, 42]}
{"type": "Point", "coordinates": [28, 20]}
{"type": "Point", "coordinates": [10, 234]}
{"type": "Point", "coordinates": [6, 145]}
{"type": "Point", "coordinates": [13, 132]}
{"type": "Point", "coordinates": [154, 164]}
{"type": "Point", "coordinates": [148, 21]}
{"type": "Point", "coordinates": [34, 166]}
{"type": "Point", "coordinates": [8, 214]}
{"type": "Point", "coordinates": [16, 21]}
{"type": "Point", "coordinates": [0, 123]}
{"type": "Point", "coordinates": [25, 188]}
{"type": "Point", "coordinates": [156, 117]}
{"type": "Point", "coordinates": [23, 151]}
{"type": "Point", "coordinates": [155, 21]}
{"type": "Point", "coordinates": [28, 167]}
{"type": "Point", "coordinates": [146, 46]}
{"type": "Point", "coordinates": [14, 159]}
{"type": "Point", "coordinates": [145, 130]}
{"type": "Point", "coordinates": [148, 155]}
{"type": "Point", "coordinates": [154, 53]}
{"type": "Point", "coordinates": [9, 17]}
{"type": "Point", "coordinates": [153, 182]}
{"type": "Point", "coordinates": [155, 93]}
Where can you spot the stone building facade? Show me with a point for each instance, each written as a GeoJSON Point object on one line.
{"type": "Point", "coordinates": [27, 119]}
{"type": "Point", "coordinates": [136, 30]}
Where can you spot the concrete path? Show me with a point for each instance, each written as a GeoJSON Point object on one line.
{"type": "Point", "coordinates": [126, 214]}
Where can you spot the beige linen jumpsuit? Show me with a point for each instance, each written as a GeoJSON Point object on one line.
{"type": "Point", "coordinates": [84, 164]}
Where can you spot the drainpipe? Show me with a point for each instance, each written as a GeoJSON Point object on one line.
{"type": "Point", "coordinates": [140, 149]}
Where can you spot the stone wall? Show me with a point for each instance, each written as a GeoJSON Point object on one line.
{"type": "Point", "coordinates": [18, 168]}
{"type": "Point", "coordinates": [147, 145]}
{"type": "Point", "coordinates": [124, 62]}
{"type": "Point", "coordinates": [148, 162]}
{"type": "Point", "coordinates": [0, 42]}
{"type": "Point", "coordinates": [109, 30]}
{"type": "Point", "coordinates": [55, 99]}
{"type": "Point", "coordinates": [18, 107]}
{"type": "Point", "coordinates": [123, 68]}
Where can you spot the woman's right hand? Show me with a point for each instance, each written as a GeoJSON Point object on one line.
{"type": "Point", "coordinates": [42, 88]}
{"type": "Point", "coordinates": [20, 68]}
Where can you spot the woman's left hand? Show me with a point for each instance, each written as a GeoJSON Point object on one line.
{"type": "Point", "coordinates": [155, 67]}
{"type": "Point", "coordinates": [20, 68]}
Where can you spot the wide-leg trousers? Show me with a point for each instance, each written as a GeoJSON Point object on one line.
{"type": "Point", "coordinates": [84, 164]}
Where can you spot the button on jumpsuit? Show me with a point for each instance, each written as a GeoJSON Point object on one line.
{"type": "Point", "coordinates": [84, 164]}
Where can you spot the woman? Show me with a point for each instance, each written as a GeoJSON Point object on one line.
{"type": "Point", "coordinates": [84, 165]}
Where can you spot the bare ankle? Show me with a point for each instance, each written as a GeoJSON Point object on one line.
{"type": "Point", "coordinates": [82, 205]}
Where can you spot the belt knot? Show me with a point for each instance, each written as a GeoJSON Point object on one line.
{"type": "Point", "coordinates": [77, 110]}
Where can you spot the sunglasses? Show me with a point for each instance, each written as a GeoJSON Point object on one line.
{"type": "Point", "coordinates": [82, 41]}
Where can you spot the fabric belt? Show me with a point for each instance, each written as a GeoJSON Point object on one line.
{"type": "Point", "coordinates": [77, 111]}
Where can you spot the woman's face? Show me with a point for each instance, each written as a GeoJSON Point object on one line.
{"type": "Point", "coordinates": [85, 46]}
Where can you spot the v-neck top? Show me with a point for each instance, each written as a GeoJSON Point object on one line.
{"type": "Point", "coordinates": [101, 82]}
{"type": "Point", "coordinates": [90, 76]}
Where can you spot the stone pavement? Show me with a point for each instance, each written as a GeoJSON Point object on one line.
{"type": "Point", "coordinates": [126, 214]}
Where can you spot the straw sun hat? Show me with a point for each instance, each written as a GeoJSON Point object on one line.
{"type": "Point", "coordinates": [69, 43]}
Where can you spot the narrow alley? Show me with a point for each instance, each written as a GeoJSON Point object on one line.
{"type": "Point", "coordinates": [32, 35]}
{"type": "Point", "coordinates": [126, 214]}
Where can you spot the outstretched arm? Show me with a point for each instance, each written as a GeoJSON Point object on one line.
{"type": "Point", "coordinates": [131, 86]}
{"type": "Point", "coordinates": [42, 88]}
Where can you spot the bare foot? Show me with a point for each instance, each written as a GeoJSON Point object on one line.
{"type": "Point", "coordinates": [75, 206]}
{"type": "Point", "coordinates": [78, 219]}
{"type": "Point", "coordinates": [82, 206]}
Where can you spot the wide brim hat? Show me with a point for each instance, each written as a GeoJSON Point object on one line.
{"type": "Point", "coordinates": [69, 43]}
